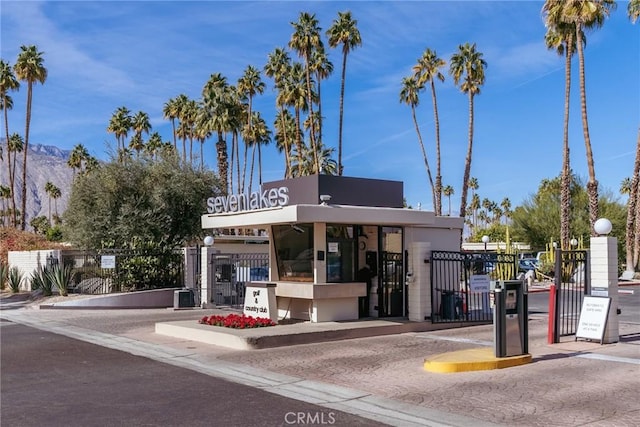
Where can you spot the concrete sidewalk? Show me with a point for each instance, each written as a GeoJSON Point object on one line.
{"type": "Point", "coordinates": [382, 377]}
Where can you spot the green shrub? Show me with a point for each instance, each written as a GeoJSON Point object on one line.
{"type": "Point", "coordinates": [4, 272]}
{"type": "Point", "coordinates": [60, 276]}
{"type": "Point", "coordinates": [41, 280]}
{"type": "Point", "coordinates": [14, 279]}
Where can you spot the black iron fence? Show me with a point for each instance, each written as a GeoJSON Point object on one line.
{"type": "Point", "coordinates": [108, 271]}
{"type": "Point", "coordinates": [232, 272]}
{"type": "Point", "coordinates": [452, 298]}
{"type": "Point", "coordinates": [572, 283]}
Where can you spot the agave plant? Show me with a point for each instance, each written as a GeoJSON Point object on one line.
{"type": "Point", "coordinates": [60, 276]}
{"type": "Point", "coordinates": [41, 280]}
{"type": "Point", "coordinates": [4, 272]}
{"type": "Point", "coordinates": [14, 278]}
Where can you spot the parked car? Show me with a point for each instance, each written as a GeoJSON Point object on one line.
{"type": "Point", "coordinates": [527, 264]}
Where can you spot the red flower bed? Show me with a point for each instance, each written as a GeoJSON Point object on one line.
{"type": "Point", "coordinates": [238, 321]}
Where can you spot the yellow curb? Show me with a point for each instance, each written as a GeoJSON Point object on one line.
{"type": "Point", "coordinates": [475, 359]}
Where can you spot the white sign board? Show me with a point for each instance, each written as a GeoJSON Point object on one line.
{"type": "Point", "coordinates": [334, 247]}
{"type": "Point", "coordinates": [108, 261]}
{"type": "Point", "coordinates": [593, 318]}
{"type": "Point", "coordinates": [261, 302]}
{"type": "Point", "coordinates": [479, 283]}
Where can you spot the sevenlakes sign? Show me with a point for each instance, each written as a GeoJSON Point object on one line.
{"type": "Point", "coordinates": [271, 198]}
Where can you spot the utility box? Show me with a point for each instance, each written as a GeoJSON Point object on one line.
{"type": "Point", "coordinates": [510, 318]}
{"type": "Point", "coordinates": [183, 298]}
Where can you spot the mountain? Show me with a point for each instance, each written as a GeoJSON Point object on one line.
{"type": "Point", "coordinates": [45, 163]}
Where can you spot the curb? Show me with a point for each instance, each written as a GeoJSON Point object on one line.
{"type": "Point", "coordinates": [474, 359]}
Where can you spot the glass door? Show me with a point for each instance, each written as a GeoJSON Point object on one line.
{"type": "Point", "coordinates": [391, 284]}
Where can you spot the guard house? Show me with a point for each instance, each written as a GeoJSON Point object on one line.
{"type": "Point", "coordinates": [341, 248]}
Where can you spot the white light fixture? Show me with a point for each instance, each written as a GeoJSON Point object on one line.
{"type": "Point", "coordinates": [324, 198]}
{"type": "Point", "coordinates": [208, 241]}
{"type": "Point", "coordinates": [485, 240]}
{"type": "Point", "coordinates": [574, 242]}
{"type": "Point", "coordinates": [602, 227]}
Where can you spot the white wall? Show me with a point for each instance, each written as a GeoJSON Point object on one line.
{"type": "Point", "coordinates": [29, 261]}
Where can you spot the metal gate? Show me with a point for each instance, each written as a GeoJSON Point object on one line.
{"type": "Point", "coordinates": [451, 272]}
{"type": "Point", "coordinates": [390, 290]}
{"type": "Point", "coordinates": [230, 274]}
{"type": "Point", "coordinates": [572, 283]}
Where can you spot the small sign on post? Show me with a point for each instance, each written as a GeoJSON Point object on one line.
{"type": "Point", "coordinates": [593, 318]}
{"type": "Point", "coordinates": [108, 261]}
{"type": "Point", "coordinates": [260, 301]}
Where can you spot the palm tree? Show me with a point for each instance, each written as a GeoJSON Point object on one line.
{"type": "Point", "coordinates": [249, 85]}
{"type": "Point", "coordinates": [632, 235]}
{"type": "Point", "coordinates": [120, 125]}
{"type": "Point", "coordinates": [56, 194]}
{"type": "Point", "coordinates": [15, 146]}
{"type": "Point", "coordinates": [140, 124]}
{"type": "Point", "coordinates": [30, 68]}
{"type": "Point", "coordinates": [295, 95]}
{"type": "Point", "coordinates": [409, 95]}
{"type": "Point", "coordinates": [344, 30]}
{"type": "Point", "coordinates": [153, 145]}
{"type": "Point", "coordinates": [506, 208]}
{"type": "Point", "coordinates": [322, 68]}
{"type": "Point", "coordinates": [285, 127]}
{"type": "Point", "coordinates": [215, 98]}
{"type": "Point", "coordinates": [561, 37]}
{"type": "Point", "coordinates": [5, 194]}
{"type": "Point", "coordinates": [48, 188]}
{"type": "Point", "coordinates": [586, 15]}
{"type": "Point", "coordinates": [170, 111]}
{"type": "Point", "coordinates": [474, 206]}
{"type": "Point", "coordinates": [78, 155]}
{"type": "Point", "coordinates": [277, 67]}
{"type": "Point", "coordinates": [304, 40]}
{"type": "Point", "coordinates": [633, 9]}
{"type": "Point", "coordinates": [467, 69]}
{"type": "Point", "coordinates": [448, 192]}
{"type": "Point", "coordinates": [8, 82]}
{"type": "Point", "coordinates": [427, 70]}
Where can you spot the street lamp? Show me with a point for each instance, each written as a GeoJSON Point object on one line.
{"type": "Point", "coordinates": [208, 241]}
{"type": "Point", "coordinates": [574, 242]}
{"type": "Point", "coordinates": [602, 227]}
{"type": "Point", "coordinates": [485, 240]}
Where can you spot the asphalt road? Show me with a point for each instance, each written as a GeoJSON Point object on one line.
{"type": "Point", "coordinates": [52, 380]}
{"type": "Point", "coordinates": [628, 302]}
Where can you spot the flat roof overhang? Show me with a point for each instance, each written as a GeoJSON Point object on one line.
{"type": "Point", "coordinates": [335, 214]}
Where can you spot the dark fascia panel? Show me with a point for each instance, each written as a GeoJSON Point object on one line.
{"type": "Point", "coordinates": [343, 190]}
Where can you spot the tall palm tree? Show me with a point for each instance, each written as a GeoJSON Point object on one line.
{"type": "Point", "coordinates": [48, 188]}
{"type": "Point", "coordinates": [447, 191]}
{"type": "Point", "coordinates": [153, 145]}
{"type": "Point", "coordinates": [170, 111]}
{"type": "Point", "coordinates": [15, 146]}
{"type": "Point", "coordinates": [427, 70]}
{"type": "Point", "coordinates": [474, 205]}
{"type": "Point", "coordinates": [632, 235]}
{"type": "Point", "coordinates": [8, 82]}
{"type": "Point", "coordinates": [561, 37]}
{"type": "Point", "coordinates": [344, 31]}
{"type": "Point", "coordinates": [294, 93]}
{"type": "Point", "coordinates": [30, 68]}
{"type": "Point", "coordinates": [285, 127]}
{"type": "Point", "coordinates": [277, 68]}
{"type": "Point", "coordinates": [409, 95]}
{"type": "Point", "coordinates": [506, 209]}
{"type": "Point", "coordinates": [586, 15]}
{"type": "Point", "coordinates": [56, 194]}
{"type": "Point", "coordinates": [140, 124]}
{"type": "Point", "coordinates": [78, 156]}
{"type": "Point", "coordinates": [467, 69]}
{"type": "Point", "coordinates": [304, 40]}
{"type": "Point", "coordinates": [5, 194]}
{"type": "Point", "coordinates": [120, 124]}
{"type": "Point", "coordinates": [216, 96]}
{"type": "Point", "coordinates": [250, 85]}
{"type": "Point", "coordinates": [322, 68]}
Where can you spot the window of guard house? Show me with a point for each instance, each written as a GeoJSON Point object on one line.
{"type": "Point", "coordinates": [340, 253]}
{"type": "Point", "coordinates": [294, 251]}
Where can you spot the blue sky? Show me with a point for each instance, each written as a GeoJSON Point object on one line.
{"type": "Point", "coordinates": [106, 54]}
